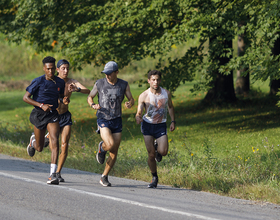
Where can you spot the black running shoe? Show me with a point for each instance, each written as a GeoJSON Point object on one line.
{"type": "Point", "coordinates": [47, 140]}
{"type": "Point", "coordinates": [100, 155]}
{"type": "Point", "coordinates": [30, 149]}
{"type": "Point", "coordinates": [158, 157]}
{"type": "Point", "coordinates": [154, 182]}
{"type": "Point", "coordinates": [53, 179]}
{"type": "Point", "coordinates": [59, 177]}
{"type": "Point", "coordinates": [104, 181]}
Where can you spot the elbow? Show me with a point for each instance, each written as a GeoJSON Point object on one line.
{"type": "Point", "coordinates": [24, 98]}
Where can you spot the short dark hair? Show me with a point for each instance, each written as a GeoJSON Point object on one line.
{"type": "Point", "coordinates": [154, 72]}
{"type": "Point", "coordinates": [48, 59]}
{"type": "Point", "coordinates": [61, 62]}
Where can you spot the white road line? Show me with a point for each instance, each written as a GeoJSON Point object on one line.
{"type": "Point", "coordinates": [113, 198]}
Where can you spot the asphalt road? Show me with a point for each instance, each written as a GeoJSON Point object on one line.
{"type": "Point", "coordinates": [24, 194]}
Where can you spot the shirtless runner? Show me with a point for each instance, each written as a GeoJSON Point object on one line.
{"type": "Point", "coordinates": [65, 121]}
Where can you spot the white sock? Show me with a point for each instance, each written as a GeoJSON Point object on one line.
{"type": "Point", "coordinates": [53, 168]}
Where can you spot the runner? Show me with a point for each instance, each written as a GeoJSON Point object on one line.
{"type": "Point", "coordinates": [156, 101]}
{"type": "Point", "coordinates": [111, 91]}
{"type": "Point", "coordinates": [45, 91]}
{"type": "Point", "coordinates": [65, 121]}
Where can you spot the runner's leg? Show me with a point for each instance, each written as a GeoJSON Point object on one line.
{"type": "Point", "coordinates": [65, 137]}
{"type": "Point", "coordinates": [54, 129]}
{"type": "Point", "coordinates": [111, 144]}
{"type": "Point", "coordinates": [162, 145]}
{"type": "Point", "coordinates": [149, 142]}
{"type": "Point", "coordinates": [39, 139]}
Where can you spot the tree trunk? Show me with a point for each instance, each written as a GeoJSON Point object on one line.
{"type": "Point", "coordinates": [242, 84]}
{"type": "Point", "coordinates": [223, 89]}
{"type": "Point", "coordinates": [275, 83]}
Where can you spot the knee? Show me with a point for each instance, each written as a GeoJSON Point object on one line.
{"type": "Point", "coordinates": [113, 155]}
{"type": "Point", "coordinates": [64, 149]}
{"type": "Point", "coordinates": [164, 153]}
{"type": "Point", "coordinates": [64, 146]}
{"type": "Point", "coordinates": [109, 146]}
{"type": "Point", "coordinates": [151, 156]}
{"type": "Point", "coordinates": [39, 146]}
{"type": "Point", "coordinates": [54, 142]}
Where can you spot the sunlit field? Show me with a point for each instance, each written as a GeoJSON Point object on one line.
{"type": "Point", "coordinates": [230, 150]}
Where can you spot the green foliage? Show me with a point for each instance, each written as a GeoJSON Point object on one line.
{"type": "Point", "coordinates": [98, 31]}
{"type": "Point", "coordinates": [17, 61]}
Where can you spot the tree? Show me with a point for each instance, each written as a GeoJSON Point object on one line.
{"type": "Point", "coordinates": [274, 82]}
{"type": "Point", "coordinates": [92, 31]}
{"type": "Point", "coordinates": [222, 89]}
{"type": "Point", "coordinates": [262, 28]}
{"type": "Point", "coordinates": [242, 84]}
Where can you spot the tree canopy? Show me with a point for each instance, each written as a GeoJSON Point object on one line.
{"type": "Point", "coordinates": [95, 31]}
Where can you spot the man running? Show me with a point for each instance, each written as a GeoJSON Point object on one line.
{"type": "Point", "coordinates": [65, 121]}
{"type": "Point", "coordinates": [111, 91]}
{"type": "Point", "coordinates": [156, 101]}
{"type": "Point", "coordinates": [45, 91]}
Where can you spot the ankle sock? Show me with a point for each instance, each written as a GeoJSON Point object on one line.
{"type": "Point", "coordinates": [53, 168]}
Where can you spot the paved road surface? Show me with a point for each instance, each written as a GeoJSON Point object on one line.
{"type": "Point", "coordinates": [24, 194]}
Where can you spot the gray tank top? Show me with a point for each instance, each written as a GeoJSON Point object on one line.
{"type": "Point", "coordinates": [110, 98]}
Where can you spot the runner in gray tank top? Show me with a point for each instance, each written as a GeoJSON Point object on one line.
{"type": "Point", "coordinates": [110, 98]}
{"type": "Point", "coordinates": [111, 91]}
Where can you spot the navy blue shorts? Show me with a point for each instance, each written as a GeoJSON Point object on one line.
{"type": "Point", "coordinates": [155, 130]}
{"type": "Point", "coordinates": [115, 125]}
{"type": "Point", "coordinates": [40, 119]}
{"type": "Point", "coordinates": [65, 119]}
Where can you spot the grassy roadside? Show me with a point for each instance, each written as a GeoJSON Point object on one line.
{"type": "Point", "coordinates": [231, 150]}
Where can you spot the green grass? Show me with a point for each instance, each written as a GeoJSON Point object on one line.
{"type": "Point", "coordinates": [230, 150]}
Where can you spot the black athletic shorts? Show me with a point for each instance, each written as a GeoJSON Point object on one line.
{"type": "Point", "coordinates": [155, 130]}
{"type": "Point", "coordinates": [40, 119]}
{"type": "Point", "coordinates": [115, 125]}
{"type": "Point", "coordinates": [65, 119]}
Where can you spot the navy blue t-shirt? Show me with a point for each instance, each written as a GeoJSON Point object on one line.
{"type": "Point", "coordinates": [46, 91]}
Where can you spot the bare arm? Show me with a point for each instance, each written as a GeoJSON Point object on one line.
{"type": "Point", "coordinates": [140, 108]}
{"type": "Point", "coordinates": [27, 98]}
{"type": "Point", "coordinates": [128, 94]}
{"type": "Point", "coordinates": [91, 96]}
{"type": "Point", "coordinates": [171, 112]}
{"type": "Point", "coordinates": [78, 87]}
